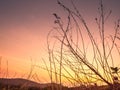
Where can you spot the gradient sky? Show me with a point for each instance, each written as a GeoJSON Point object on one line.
{"type": "Point", "coordinates": [24, 25]}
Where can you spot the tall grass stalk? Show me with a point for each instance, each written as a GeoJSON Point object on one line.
{"type": "Point", "coordinates": [70, 55]}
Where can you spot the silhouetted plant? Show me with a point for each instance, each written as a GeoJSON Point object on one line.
{"type": "Point", "coordinates": [115, 69]}
{"type": "Point", "coordinates": [69, 52]}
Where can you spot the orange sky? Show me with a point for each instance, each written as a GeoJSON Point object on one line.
{"type": "Point", "coordinates": [24, 26]}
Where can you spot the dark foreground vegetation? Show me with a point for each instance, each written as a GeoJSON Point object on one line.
{"type": "Point", "coordinates": [23, 84]}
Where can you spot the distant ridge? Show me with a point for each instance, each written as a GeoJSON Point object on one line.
{"type": "Point", "coordinates": [26, 83]}
{"type": "Point", "coordinates": [20, 82]}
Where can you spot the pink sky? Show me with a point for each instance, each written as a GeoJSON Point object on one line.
{"type": "Point", "coordinates": [24, 26]}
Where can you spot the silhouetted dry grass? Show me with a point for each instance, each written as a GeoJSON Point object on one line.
{"type": "Point", "coordinates": [68, 55]}
{"type": "Point", "coordinates": [72, 59]}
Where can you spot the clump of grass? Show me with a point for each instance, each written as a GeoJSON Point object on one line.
{"type": "Point", "coordinates": [69, 58]}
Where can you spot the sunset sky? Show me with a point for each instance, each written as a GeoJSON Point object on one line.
{"type": "Point", "coordinates": [24, 25]}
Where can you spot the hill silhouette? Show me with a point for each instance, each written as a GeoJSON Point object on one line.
{"type": "Point", "coordinates": [24, 83]}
